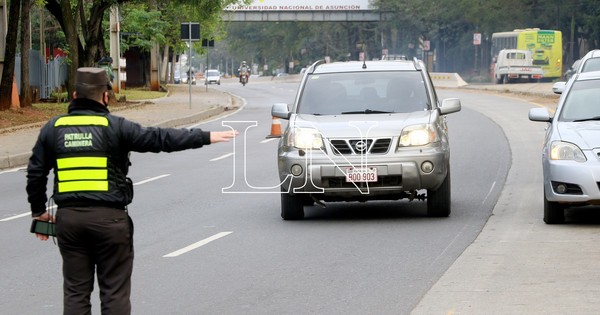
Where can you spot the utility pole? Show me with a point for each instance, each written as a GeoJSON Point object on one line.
{"type": "Point", "coordinates": [115, 47]}
{"type": "Point", "coordinates": [572, 41]}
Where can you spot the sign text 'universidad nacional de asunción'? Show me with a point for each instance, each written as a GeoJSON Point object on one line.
{"type": "Point", "coordinates": [296, 5]}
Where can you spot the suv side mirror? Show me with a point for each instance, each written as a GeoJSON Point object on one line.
{"type": "Point", "coordinates": [450, 105]}
{"type": "Point", "coordinates": [280, 110]}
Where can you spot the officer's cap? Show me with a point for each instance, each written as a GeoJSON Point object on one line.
{"type": "Point", "coordinates": [93, 78]}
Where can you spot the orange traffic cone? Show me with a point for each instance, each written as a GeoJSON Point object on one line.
{"type": "Point", "coordinates": [275, 128]}
{"type": "Point", "coordinates": [15, 102]}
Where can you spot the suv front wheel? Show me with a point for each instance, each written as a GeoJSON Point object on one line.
{"type": "Point", "coordinates": [438, 201]}
{"type": "Point", "coordinates": [292, 207]}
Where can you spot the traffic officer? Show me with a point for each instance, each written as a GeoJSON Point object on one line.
{"type": "Point", "coordinates": [89, 148]}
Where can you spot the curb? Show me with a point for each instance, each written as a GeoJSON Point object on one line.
{"type": "Point", "coordinates": [191, 119]}
{"type": "Point", "coordinates": [16, 160]}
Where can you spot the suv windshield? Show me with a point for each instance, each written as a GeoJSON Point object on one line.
{"type": "Point", "coordinates": [212, 73]}
{"type": "Point", "coordinates": [367, 92]}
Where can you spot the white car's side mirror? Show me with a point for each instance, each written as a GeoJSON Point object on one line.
{"type": "Point", "coordinates": [559, 87]}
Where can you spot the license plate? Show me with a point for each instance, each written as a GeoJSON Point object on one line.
{"type": "Point", "coordinates": [361, 175]}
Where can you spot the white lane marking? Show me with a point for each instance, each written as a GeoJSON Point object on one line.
{"type": "Point", "coordinates": [150, 179]}
{"type": "Point", "coordinates": [222, 157]}
{"type": "Point", "coordinates": [16, 216]}
{"type": "Point", "coordinates": [489, 192]}
{"type": "Point", "coordinates": [23, 215]}
{"type": "Point", "coordinates": [268, 140]}
{"type": "Point", "coordinates": [197, 244]}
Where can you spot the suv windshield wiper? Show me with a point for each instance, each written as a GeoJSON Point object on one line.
{"type": "Point", "coordinates": [367, 111]}
{"type": "Point", "coordinates": [587, 119]}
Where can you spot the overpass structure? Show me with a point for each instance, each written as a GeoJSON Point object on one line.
{"type": "Point", "coordinates": [303, 11]}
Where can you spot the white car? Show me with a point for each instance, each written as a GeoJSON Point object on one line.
{"type": "Point", "coordinates": [571, 153]}
{"type": "Point", "coordinates": [212, 77]}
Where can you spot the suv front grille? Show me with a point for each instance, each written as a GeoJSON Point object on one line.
{"type": "Point", "coordinates": [360, 146]}
{"type": "Point", "coordinates": [383, 181]}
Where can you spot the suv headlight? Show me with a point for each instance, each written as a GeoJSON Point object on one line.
{"type": "Point", "coordinates": [305, 139]}
{"type": "Point", "coordinates": [560, 150]}
{"type": "Point", "coordinates": [417, 135]}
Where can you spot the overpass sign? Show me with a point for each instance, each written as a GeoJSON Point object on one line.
{"type": "Point", "coordinates": [301, 5]}
{"type": "Point", "coordinates": [302, 10]}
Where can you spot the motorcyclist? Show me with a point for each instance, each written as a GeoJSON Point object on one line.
{"type": "Point", "coordinates": [244, 70]}
{"type": "Point", "coordinates": [105, 63]}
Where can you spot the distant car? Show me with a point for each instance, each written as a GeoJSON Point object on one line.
{"type": "Point", "coordinates": [212, 77]}
{"type": "Point", "coordinates": [177, 78]}
{"type": "Point", "coordinates": [572, 70]}
{"type": "Point", "coordinates": [362, 131]}
{"type": "Point", "coordinates": [282, 74]}
{"type": "Point", "coordinates": [571, 152]}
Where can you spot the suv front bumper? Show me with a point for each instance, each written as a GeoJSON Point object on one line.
{"type": "Point", "coordinates": [397, 172]}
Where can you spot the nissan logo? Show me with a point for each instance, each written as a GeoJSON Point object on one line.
{"type": "Point", "coordinates": [360, 146]}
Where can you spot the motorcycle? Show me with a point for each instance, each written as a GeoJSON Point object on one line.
{"type": "Point", "coordinates": [244, 78]}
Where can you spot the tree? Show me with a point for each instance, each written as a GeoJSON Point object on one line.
{"type": "Point", "coordinates": [81, 21]}
{"type": "Point", "coordinates": [77, 18]}
{"type": "Point", "coordinates": [25, 99]}
{"type": "Point", "coordinates": [6, 84]}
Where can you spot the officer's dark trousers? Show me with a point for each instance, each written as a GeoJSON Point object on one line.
{"type": "Point", "coordinates": [95, 237]}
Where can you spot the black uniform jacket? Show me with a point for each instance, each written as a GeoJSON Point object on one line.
{"type": "Point", "coordinates": [122, 136]}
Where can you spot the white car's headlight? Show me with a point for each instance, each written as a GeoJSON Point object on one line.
{"type": "Point", "coordinates": [305, 139]}
{"type": "Point", "coordinates": [417, 135]}
{"type": "Point", "coordinates": [560, 150]}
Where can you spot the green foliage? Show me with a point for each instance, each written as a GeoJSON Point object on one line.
{"type": "Point", "coordinates": [143, 27]}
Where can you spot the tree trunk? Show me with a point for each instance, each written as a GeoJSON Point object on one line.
{"type": "Point", "coordinates": [165, 64]}
{"type": "Point", "coordinates": [25, 48]}
{"type": "Point", "coordinates": [8, 70]}
{"type": "Point", "coordinates": [172, 72]}
{"type": "Point", "coordinates": [66, 19]}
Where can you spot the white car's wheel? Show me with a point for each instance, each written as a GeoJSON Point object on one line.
{"type": "Point", "coordinates": [554, 212]}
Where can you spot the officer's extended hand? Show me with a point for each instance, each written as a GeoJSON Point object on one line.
{"type": "Point", "coordinates": [44, 217]}
{"type": "Point", "coordinates": [222, 136]}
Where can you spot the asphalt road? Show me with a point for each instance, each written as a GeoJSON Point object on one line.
{"type": "Point", "coordinates": [349, 258]}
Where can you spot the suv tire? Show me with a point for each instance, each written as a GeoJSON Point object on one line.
{"type": "Point", "coordinates": [292, 207]}
{"type": "Point", "coordinates": [438, 201]}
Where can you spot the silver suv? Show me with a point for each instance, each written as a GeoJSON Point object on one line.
{"type": "Point", "coordinates": [363, 131]}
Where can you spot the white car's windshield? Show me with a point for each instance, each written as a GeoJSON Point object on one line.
{"type": "Point", "coordinates": [364, 93]}
{"type": "Point", "coordinates": [582, 102]}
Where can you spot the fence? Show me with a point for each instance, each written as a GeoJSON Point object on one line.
{"type": "Point", "coordinates": [47, 76]}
